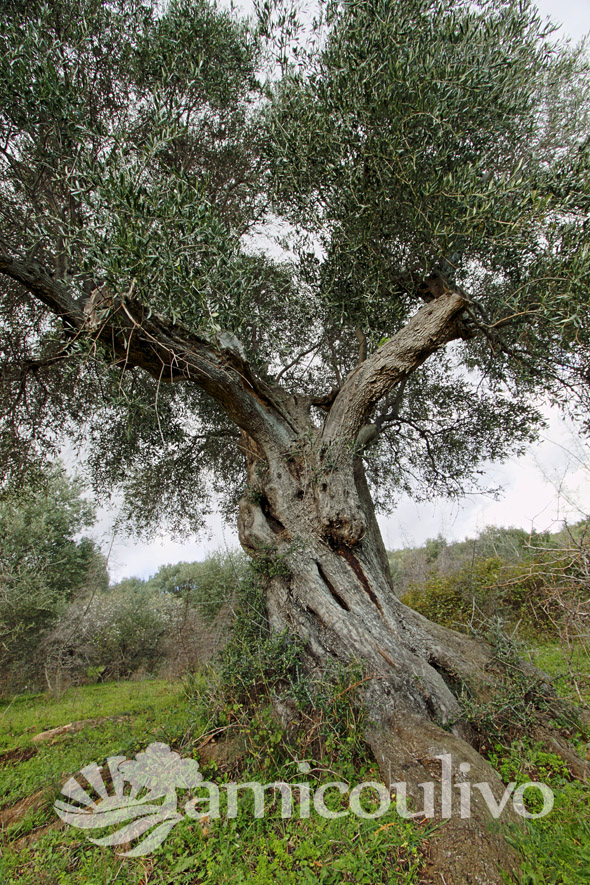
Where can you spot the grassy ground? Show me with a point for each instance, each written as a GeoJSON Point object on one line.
{"type": "Point", "coordinates": [570, 669]}
{"type": "Point", "coordinates": [39, 850]}
{"type": "Point", "coordinates": [555, 849]}
{"type": "Point", "coordinates": [133, 714]}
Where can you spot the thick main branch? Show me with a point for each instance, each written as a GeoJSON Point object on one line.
{"type": "Point", "coordinates": [433, 326]}
{"type": "Point", "coordinates": [166, 350]}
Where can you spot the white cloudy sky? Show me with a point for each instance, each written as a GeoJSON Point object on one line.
{"type": "Point", "coordinates": [551, 482]}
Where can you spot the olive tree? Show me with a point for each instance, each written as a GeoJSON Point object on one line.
{"type": "Point", "coordinates": [306, 285]}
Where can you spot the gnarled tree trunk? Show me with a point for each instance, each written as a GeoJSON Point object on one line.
{"type": "Point", "coordinates": [338, 601]}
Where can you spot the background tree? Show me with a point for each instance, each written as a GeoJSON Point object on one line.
{"type": "Point", "coordinates": [169, 624]}
{"type": "Point", "coordinates": [115, 633]}
{"type": "Point", "coordinates": [431, 159]}
{"type": "Point", "coordinates": [44, 565]}
{"type": "Point", "coordinates": [206, 586]}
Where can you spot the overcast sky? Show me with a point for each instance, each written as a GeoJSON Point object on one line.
{"type": "Point", "coordinates": [574, 15]}
{"type": "Point", "coordinates": [551, 482]}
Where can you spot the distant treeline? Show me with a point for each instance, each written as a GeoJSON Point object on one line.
{"type": "Point", "coordinates": [62, 622]}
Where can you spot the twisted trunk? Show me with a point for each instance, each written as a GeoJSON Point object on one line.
{"type": "Point", "coordinates": [338, 601]}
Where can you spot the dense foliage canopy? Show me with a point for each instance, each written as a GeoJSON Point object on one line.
{"type": "Point", "coordinates": [156, 158]}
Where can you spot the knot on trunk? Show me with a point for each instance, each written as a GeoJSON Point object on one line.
{"type": "Point", "coordinates": [254, 530]}
{"type": "Point", "coordinates": [342, 519]}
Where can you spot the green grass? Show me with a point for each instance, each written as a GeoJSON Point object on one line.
{"type": "Point", "coordinates": [269, 851]}
{"type": "Point", "coordinates": [29, 714]}
{"type": "Point", "coordinates": [555, 849]}
{"type": "Point", "coordinates": [570, 670]}
{"type": "Point", "coordinates": [257, 852]}
{"type": "Point", "coordinates": [143, 712]}
{"type": "Point", "coordinates": [244, 850]}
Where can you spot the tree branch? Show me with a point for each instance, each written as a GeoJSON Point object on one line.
{"type": "Point", "coordinates": [391, 406]}
{"type": "Point", "coordinates": [52, 293]}
{"type": "Point", "coordinates": [362, 340]}
{"type": "Point", "coordinates": [433, 326]}
{"type": "Point", "coordinates": [164, 349]}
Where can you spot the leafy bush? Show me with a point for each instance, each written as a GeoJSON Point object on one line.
{"type": "Point", "coordinates": [255, 661]}
{"type": "Point", "coordinates": [113, 634]}
{"type": "Point", "coordinates": [449, 599]}
{"type": "Point", "coordinates": [544, 593]}
{"type": "Point", "coordinates": [169, 623]}
{"type": "Point", "coordinates": [261, 688]}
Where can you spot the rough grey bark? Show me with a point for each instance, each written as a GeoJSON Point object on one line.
{"type": "Point", "coordinates": [338, 601]}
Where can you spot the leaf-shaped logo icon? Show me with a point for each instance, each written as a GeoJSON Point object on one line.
{"type": "Point", "coordinates": [143, 798]}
